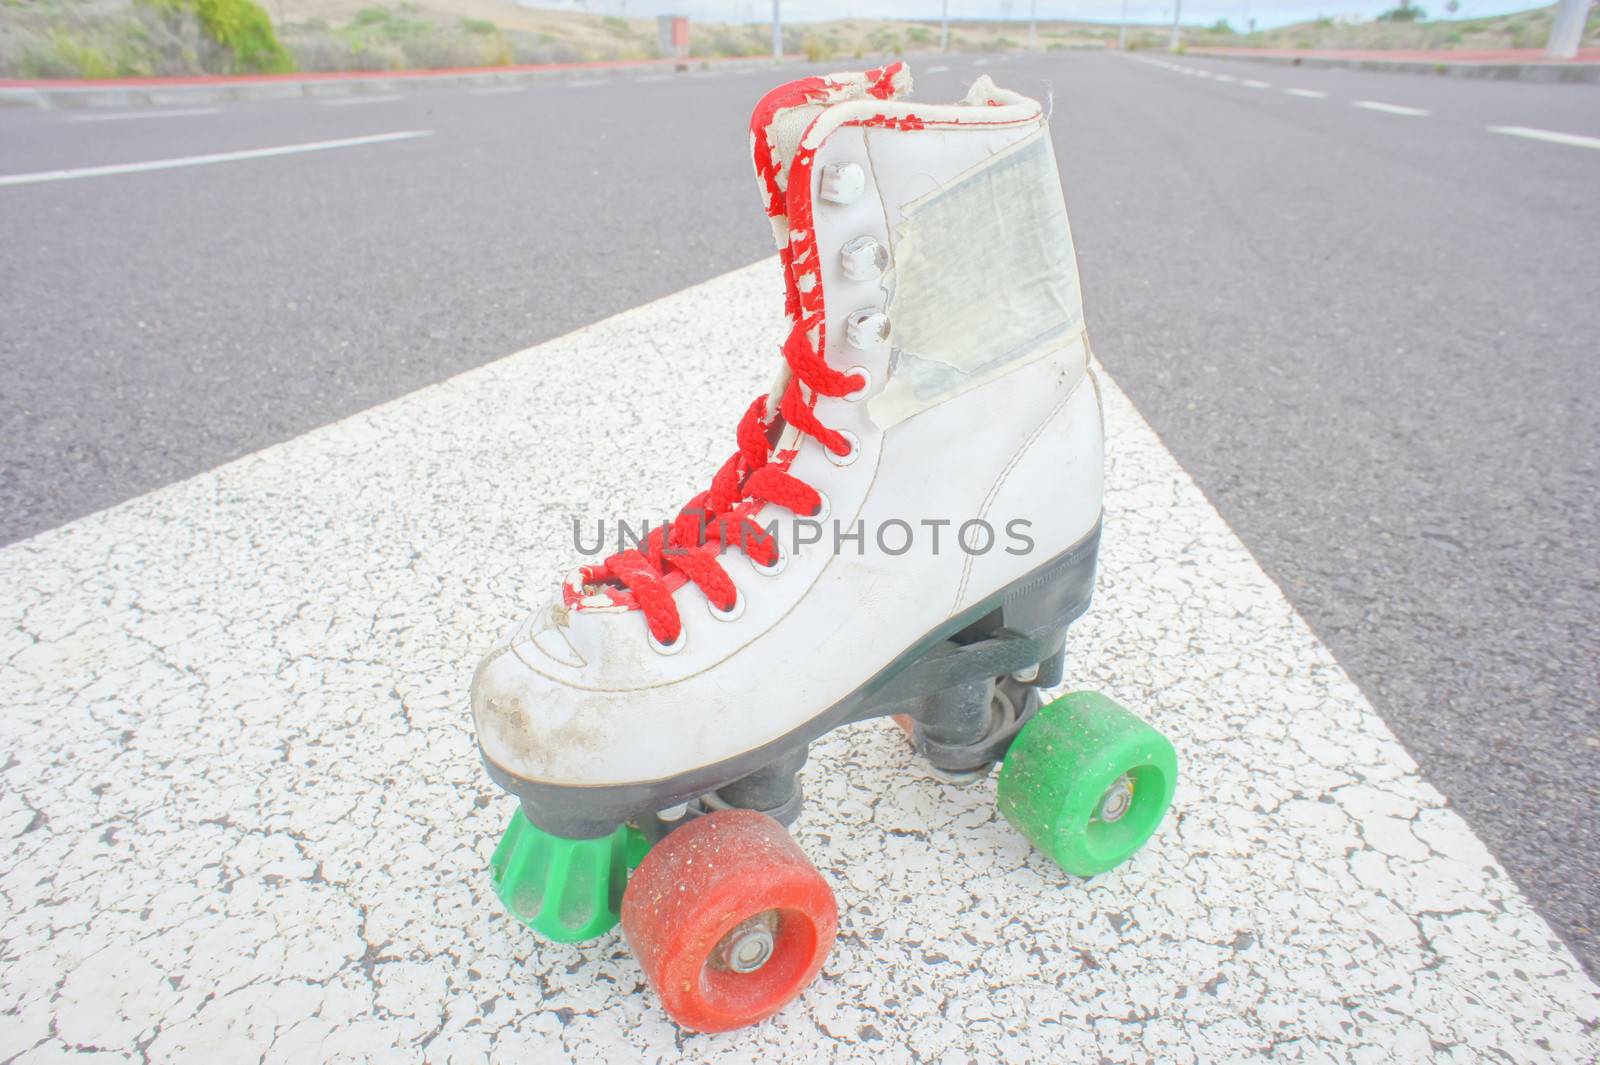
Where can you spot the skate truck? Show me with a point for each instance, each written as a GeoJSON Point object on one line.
{"type": "Point", "coordinates": [651, 719]}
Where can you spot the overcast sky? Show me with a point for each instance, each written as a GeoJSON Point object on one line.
{"type": "Point", "coordinates": [1265, 12]}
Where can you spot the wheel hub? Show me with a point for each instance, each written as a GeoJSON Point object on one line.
{"type": "Point", "coordinates": [749, 945]}
{"type": "Point", "coordinates": [1117, 800]}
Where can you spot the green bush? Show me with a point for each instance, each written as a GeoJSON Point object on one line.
{"type": "Point", "coordinates": [482, 27]}
{"type": "Point", "coordinates": [1404, 13]}
{"type": "Point", "coordinates": [241, 27]}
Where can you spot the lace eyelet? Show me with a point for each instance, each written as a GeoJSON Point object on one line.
{"type": "Point", "coordinates": [824, 509]}
{"type": "Point", "coordinates": [733, 613]}
{"type": "Point", "coordinates": [849, 456]}
{"type": "Point", "coordinates": [667, 649]}
{"type": "Point", "coordinates": [780, 562]}
{"type": "Point", "coordinates": [866, 384]}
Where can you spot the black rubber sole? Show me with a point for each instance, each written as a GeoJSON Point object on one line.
{"type": "Point", "coordinates": [941, 681]}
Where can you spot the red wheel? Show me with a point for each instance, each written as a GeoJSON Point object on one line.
{"type": "Point", "coordinates": [728, 920]}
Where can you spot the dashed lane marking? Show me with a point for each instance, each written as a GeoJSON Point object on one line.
{"type": "Point", "coordinates": [1308, 94]}
{"type": "Point", "coordinates": [41, 176]}
{"type": "Point", "coordinates": [1251, 83]}
{"type": "Point", "coordinates": [1391, 109]}
{"type": "Point", "coordinates": [1551, 136]}
{"type": "Point", "coordinates": [177, 112]}
{"type": "Point", "coordinates": [356, 101]}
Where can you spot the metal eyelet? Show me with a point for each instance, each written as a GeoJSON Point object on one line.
{"type": "Point", "coordinates": [668, 649]}
{"type": "Point", "coordinates": [733, 613]}
{"type": "Point", "coordinates": [866, 383]}
{"type": "Point", "coordinates": [842, 183]}
{"type": "Point", "coordinates": [863, 259]}
{"type": "Point", "coordinates": [849, 456]}
{"type": "Point", "coordinates": [780, 562]}
{"type": "Point", "coordinates": [824, 508]}
{"type": "Point", "coordinates": [866, 328]}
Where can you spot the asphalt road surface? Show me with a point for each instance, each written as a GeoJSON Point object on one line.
{"type": "Point", "coordinates": [1359, 308]}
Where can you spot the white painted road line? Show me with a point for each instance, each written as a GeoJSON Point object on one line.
{"type": "Point", "coordinates": [351, 101]}
{"type": "Point", "coordinates": [237, 751]}
{"type": "Point", "coordinates": [498, 90]}
{"type": "Point", "coordinates": [177, 112]}
{"type": "Point", "coordinates": [1572, 139]}
{"type": "Point", "coordinates": [41, 176]}
{"type": "Point", "coordinates": [1224, 77]}
{"type": "Point", "coordinates": [1251, 83]}
{"type": "Point", "coordinates": [1309, 94]}
{"type": "Point", "coordinates": [584, 83]}
{"type": "Point", "coordinates": [1390, 109]}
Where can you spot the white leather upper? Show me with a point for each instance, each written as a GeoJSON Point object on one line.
{"type": "Point", "coordinates": [581, 697]}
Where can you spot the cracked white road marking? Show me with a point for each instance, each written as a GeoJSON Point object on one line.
{"type": "Point", "coordinates": [245, 819]}
{"type": "Point", "coordinates": [1309, 94]}
{"type": "Point", "coordinates": [1573, 140]}
{"type": "Point", "coordinates": [1391, 109]}
{"type": "Point", "coordinates": [205, 160]}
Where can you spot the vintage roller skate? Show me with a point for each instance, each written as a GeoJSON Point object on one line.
{"type": "Point", "coordinates": [907, 528]}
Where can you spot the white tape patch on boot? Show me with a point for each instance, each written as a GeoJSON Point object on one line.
{"type": "Point", "coordinates": [985, 280]}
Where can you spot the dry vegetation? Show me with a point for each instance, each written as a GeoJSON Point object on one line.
{"type": "Point", "coordinates": [1522, 29]}
{"type": "Point", "coordinates": [108, 38]}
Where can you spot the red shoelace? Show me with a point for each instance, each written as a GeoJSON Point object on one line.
{"type": "Point", "coordinates": [754, 475]}
{"type": "Point", "coordinates": [724, 513]}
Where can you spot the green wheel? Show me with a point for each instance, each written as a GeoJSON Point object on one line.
{"type": "Point", "coordinates": [1087, 782]}
{"type": "Point", "coordinates": [567, 890]}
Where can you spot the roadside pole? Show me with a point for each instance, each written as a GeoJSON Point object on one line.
{"type": "Point", "coordinates": [1566, 33]}
{"type": "Point", "coordinates": [1122, 31]}
{"type": "Point", "coordinates": [1177, 12]}
{"type": "Point", "coordinates": [944, 27]}
{"type": "Point", "coordinates": [1033, 23]}
{"type": "Point", "coordinates": [777, 31]}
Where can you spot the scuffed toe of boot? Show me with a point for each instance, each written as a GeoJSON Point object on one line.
{"type": "Point", "coordinates": [505, 693]}
{"type": "Point", "coordinates": [547, 707]}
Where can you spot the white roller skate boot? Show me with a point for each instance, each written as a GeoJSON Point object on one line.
{"type": "Point", "coordinates": [908, 527]}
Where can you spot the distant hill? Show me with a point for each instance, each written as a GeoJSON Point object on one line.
{"type": "Point", "coordinates": [109, 38]}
